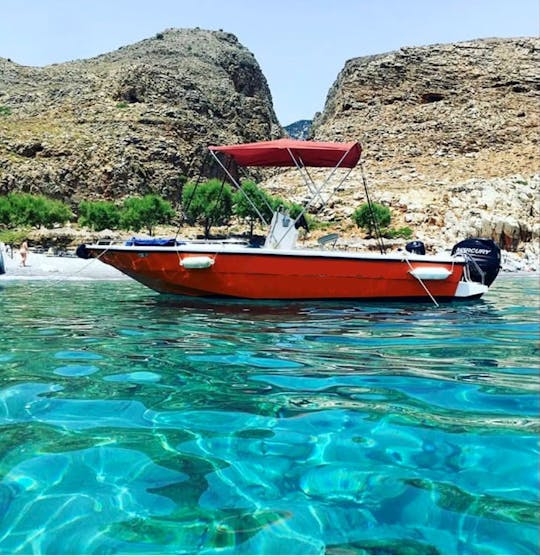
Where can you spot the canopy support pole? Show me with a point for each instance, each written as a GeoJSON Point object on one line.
{"type": "Point", "coordinates": [239, 187]}
{"type": "Point", "coordinates": [372, 212]}
{"type": "Point", "coordinates": [324, 184]}
{"type": "Point", "coordinates": [310, 185]}
{"type": "Point", "coordinates": [319, 190]}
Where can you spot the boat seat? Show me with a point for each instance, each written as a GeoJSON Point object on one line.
{"type": "Point", "coordinates": [323, 241]}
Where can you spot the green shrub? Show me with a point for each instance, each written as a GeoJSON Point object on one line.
{"type": "Point", "coordinates": [145, 212]}
{"type": "Point", "coordinates": [99, 215]}
{"type": "Point", "coordinates": [55, 213]}
{"type": "Point", "coordinates": [371, 218]}
{"type": "Point", "coordinates": [13, 237]}
{"type": "Point", "coordinates": [25, 209]}
{"type": "Point", "coordinates": [5, 210]}
{"type": "Point", "coordinates": [404, 232]}
{"type": "Point", "coordinates": [36, 210]}
{"type": "Point", "coordinates": [295, 209]}
{"type": "Point", "coordinates": [261, 204]}
{"type": "Point", "coordinates": [5, 110]}
{"type": "Point", "coordinates": [209, 204]}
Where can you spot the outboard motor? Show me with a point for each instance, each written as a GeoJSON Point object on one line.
{"type": "Point", "coordinates": [82, 252]}
{"type": "Point", "coordinates": [483, 259]}
{"type": "Point", "coordinates": [416, 246]}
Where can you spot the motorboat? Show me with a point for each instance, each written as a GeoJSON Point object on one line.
{"type": "Point", "coordinates": [281, 268]}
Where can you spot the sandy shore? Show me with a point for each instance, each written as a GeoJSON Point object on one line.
{"type": "Point", "coordinates": [41, 266]}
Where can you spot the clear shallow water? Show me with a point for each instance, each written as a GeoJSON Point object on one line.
{"type": "Point", "coordinates": [136, 423]}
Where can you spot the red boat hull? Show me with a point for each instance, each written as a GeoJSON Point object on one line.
{"type": "Point", "coordinates": [259, 274]}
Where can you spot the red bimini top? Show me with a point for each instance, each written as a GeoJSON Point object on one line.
{"type": "Point", "coordinates": [293, 152]}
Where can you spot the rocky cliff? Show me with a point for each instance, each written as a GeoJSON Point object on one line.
{"type": "Point", "coordinates": [450, 138]}
{"type": "Point", "coordinates": [130, 121]}
{"type": "Point", "coordinates": [455, 111]}
{"type": "Point", "coordinates": [299, 130]}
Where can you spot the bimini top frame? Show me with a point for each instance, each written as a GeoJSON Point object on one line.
{"type": "Point", "coordinates": [293, 153]}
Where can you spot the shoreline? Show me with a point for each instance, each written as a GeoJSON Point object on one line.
{"type": "Point", "coordinates": [41, 266]}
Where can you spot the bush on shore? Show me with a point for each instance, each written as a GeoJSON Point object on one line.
{"type": "Point", "coordinates": [209, 204]}
{"type": "Point", "coordinates": [145, 212]}
{"type": "Point", "coordinates": [27, 210]}
{"type": "Point", "coordinates": [99, 215]}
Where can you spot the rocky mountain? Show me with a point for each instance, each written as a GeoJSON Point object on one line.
{"type": "Point", "coordinates": [299, 130]}
{"type": "Point", "coordinates": [450, 136]}
{"type": "Point", "coordinates": [130, 121]}
{"type": "Point", "coordinates": [456, 111]}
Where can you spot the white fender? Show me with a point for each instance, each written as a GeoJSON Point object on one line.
{"type": "Point", "coordinates": [197, 262]}
{"type": "Point", "coordinates": [430, 273]}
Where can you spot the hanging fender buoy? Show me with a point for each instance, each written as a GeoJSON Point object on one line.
{"type": "Point", "coordinates": [430, 273]}
{"type": "Point", "coordinates": [197, 262]}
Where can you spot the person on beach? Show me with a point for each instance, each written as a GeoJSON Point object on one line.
{"type": "Point", "coordinates": [23, 252]}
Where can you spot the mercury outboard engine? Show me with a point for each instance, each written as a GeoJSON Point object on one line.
{"type": "Point", "coordinates": [483, 259]}
{"type": "Point", "coordinates": [416, 246]}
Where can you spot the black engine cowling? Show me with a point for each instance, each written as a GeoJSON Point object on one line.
{"type": "Point", "coordinates": [480, 254]}
{"type": "Point", "coordinates": [416, 246]}
{"type": "Point", "coordinates": [82, 252]}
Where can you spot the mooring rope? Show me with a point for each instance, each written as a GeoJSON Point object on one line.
{"type": "Point", "coordinates": [420, 280]}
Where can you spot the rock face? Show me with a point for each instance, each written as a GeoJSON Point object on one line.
{"type": "Point", "coordinates": [130, 121]}
{"type": "Point", "coordinates": [450, 137]}
{"type": "Point", "coordinates": [299, 130]}
{"type": "Point", "coordinates": [449, 110]}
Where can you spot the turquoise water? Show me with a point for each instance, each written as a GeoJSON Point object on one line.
{"type": "Point", "coordinates": [136, 423]}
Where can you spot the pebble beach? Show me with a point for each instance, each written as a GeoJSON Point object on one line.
{"type": "Point", "coordinates": [42, 266]}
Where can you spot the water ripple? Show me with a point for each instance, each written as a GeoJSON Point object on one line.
{"type": "Point", "coordinates": [150, 424]}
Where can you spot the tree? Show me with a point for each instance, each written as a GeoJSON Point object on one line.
{"type": "Point", "coordinates": [209, 203]}
{"type": "Point", "coordinates": [37, 210]}
{"type": "Point", "coordinates": [5, 210]}
{"type": "Point", "coordinates": [26, 209]}
{"type": "Point", "coordinates": [55, 212]}
{"type": "Point", "coordinates": [371, 217]}
{"type": "Point", "coordinates": [259, 204]}
{"type": "Point", "coordinates": [99, 215]}
{"type": "Point", "coordinates": [14, 237]}
{"type": "Point", "coordinates": [147, 211]}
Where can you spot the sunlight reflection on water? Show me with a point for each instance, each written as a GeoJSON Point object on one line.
{"type": "Point", "coordinates": [136, 423]}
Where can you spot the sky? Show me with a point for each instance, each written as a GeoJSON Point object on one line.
{"type": "Point", "coordinates": [300, 45]}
